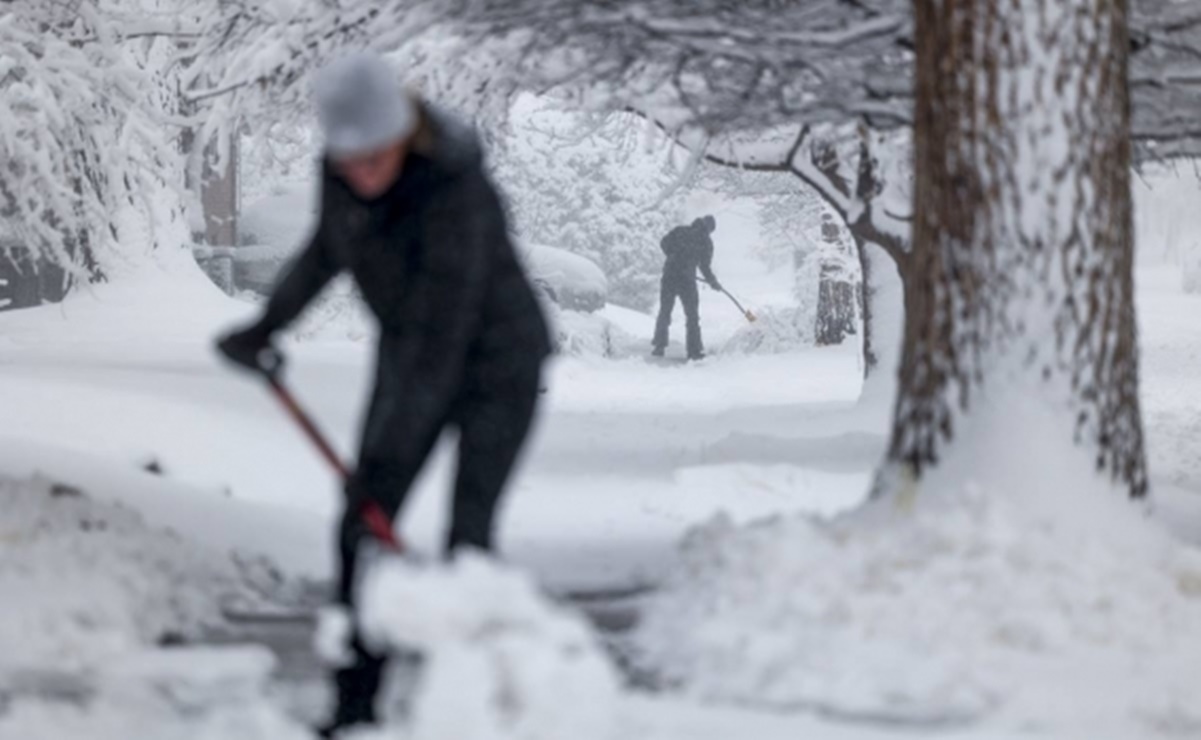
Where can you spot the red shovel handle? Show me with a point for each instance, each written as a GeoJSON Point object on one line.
{"type": "Point", "coordinates": [377, 521]}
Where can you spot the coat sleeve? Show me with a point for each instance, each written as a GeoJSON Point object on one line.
{"type": "Point", "coordinates": [302, 280]}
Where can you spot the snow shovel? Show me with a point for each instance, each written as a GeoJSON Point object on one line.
{"type": "Point", "coordinates": [750, 317]}
{"type": "Point", "coordinates": [271, 363]}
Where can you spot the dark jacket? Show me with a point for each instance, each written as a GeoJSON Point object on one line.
{"type": "Point", "coordinates": [434, 263]}
{"type": "Point", "coordinates": [688, 248]}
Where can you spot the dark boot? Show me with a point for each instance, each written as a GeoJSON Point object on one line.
{"type": "Point", "coordinates": [356, 689]}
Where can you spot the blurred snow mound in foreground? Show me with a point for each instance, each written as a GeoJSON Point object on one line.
{"type": "Point", "coordinates": [88, 590]}
{"type": "Point", "coordinates": [950, 599]}
{"type": "Point", "coordinates": [170, 694]}
{"type": "Point", "coordinates": [83, 580]}
{"type": "Point", "coordinates": [501, 662]}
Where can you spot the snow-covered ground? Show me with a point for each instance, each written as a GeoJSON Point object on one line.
{"type": "Point", "coordinates": [628, 457]}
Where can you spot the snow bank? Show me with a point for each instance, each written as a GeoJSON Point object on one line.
{"type": "Point", "coordinates": [1012, 584]}
{"type": "Point", "coordinates": [83, 580]}
{"type": "Point", "coordinates": [501, 661]}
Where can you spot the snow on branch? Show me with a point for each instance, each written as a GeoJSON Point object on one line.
{"type": "Point", "coordinates": [712, 64]}
{"type": "Point", "coordinates": [74, 151]}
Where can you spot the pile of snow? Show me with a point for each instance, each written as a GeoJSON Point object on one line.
{"type": "Point", "coordinates": [172, 694]}
{"type": "Point", "coordinates": [576, 283]}
{"type": "Point", "coordinates": [89, 593]}
{"type": "Point", "coordinates": [501, 662]}
{"type": "Point", "coordinates": [83, 579]}
{"type": "Point", "coordinates": [988, 589]}
{"type": "Point", "coordinates": [774, 331]}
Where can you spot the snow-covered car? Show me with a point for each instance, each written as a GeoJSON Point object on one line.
{"type": "Point", "coordinates": [270, 231]}
{"type": "Point", "coordinates": [575, 283]}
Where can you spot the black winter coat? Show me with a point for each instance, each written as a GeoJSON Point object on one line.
{"type": "Point", "coordinates": [688, 248]}
{"type": "Point", "coordinates": [434, 263]}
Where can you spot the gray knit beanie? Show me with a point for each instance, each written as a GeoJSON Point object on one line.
{"type": "Point", "coordinates": [361, 105]}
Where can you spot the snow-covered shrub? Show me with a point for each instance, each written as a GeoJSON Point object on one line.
{"type": "Point", "coordinates": [774, 331]}
{"type": "Point", "coordinates": [89, 170]}
{"type": "Point", "coordinates": [947, 602]}
{"type": "Point", "coordinates": [500, 660]}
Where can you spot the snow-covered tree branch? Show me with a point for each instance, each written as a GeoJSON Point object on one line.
{"type": "Point", "coordinates": [86, 136]}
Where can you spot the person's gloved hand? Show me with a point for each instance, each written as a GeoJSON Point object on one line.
{"type": "Point", "coordinates": [250, 348]}
{"type": "Point", "coordinates": [715, 285]}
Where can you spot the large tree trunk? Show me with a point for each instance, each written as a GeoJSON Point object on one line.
{"type": "Point", "coordinates": [1021, 273]}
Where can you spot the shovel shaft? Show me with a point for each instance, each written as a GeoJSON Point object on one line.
{"type": "Point", "coordinates": [736, 303]}
{"type": "Point", "coordinates": [306, 424]}
{"type": "Point", "coordinates": [749, 316]}
{"type": "Point", "coordinates": [376, 520]}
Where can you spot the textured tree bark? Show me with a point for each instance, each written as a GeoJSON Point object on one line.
{"type": "Point", "coordinates": [1021, 272]}
{"type": "Point", "coordinates": [837, 310]}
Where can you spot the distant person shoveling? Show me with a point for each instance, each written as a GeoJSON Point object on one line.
{"type": "Point", "coordinates": [688, 249]}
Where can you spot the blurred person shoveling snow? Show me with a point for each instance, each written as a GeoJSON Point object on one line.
{"type": "Point", "coordinates": [687, 249]}
{"type": "Point", "coordinates": [407, 209]}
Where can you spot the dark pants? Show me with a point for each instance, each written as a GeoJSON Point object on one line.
{"type": "Point", "coordinates": [493, 415]}
{"type": "Point", "coordinates": [685, 288]}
